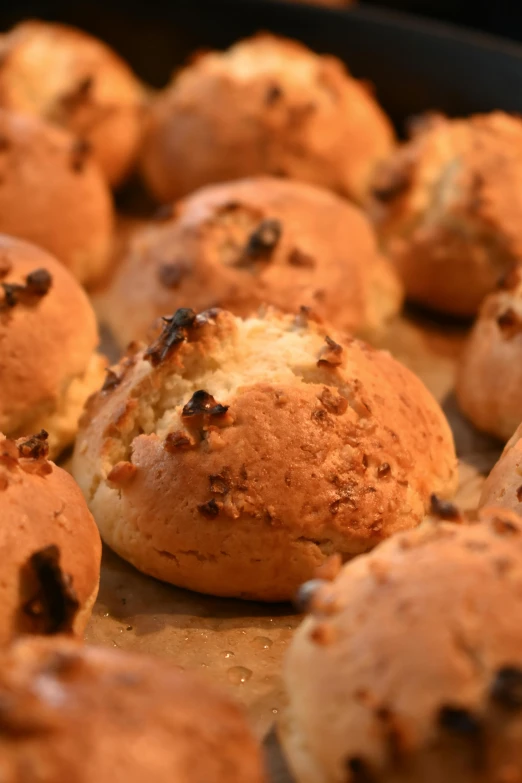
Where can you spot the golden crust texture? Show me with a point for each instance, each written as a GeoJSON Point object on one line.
{"type": "Point", "coordinates": [252, 242]}
{"type": "Point", "coordinates": [234, 457]}
{"type": "Point", "coordinates": [489, 377]}
{"type": "Point", "coordinates": [48, 339]}
{"type": "Point", "coordinates": [268, 105]}
{"type": "Point", "coordinates": [71, 79]}
{"type": "Point", "coordinates": [94, 714]}
{"type": "Point", "coordinates": [503, 486]}
{"type": "Point", "coordinates": [448, 204]}
{"type": "Point", "coordinates": [50, 548]}
{"type": "Point", "coordinates": [409, 667]}
{"type": "Point", "coordinates": [52, 194]}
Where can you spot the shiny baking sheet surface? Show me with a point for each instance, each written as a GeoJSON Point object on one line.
{"type": "Point", "coordinates": [240, 645]}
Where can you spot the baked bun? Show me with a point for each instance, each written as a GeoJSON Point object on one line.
{"type": "Point", "coordinates": [253, 242]}
{"type": "Point", "coordinates": [448, 208]}
{"type": "Point", "coordinates": [91, 713]}
{"type": "Point", "coordinates": [48, 339]}
{"type": "Point", "coordinates": [489, 377]}
{"type": "Point", "coordinates": [503, 486]}
{"type": "Point", "coordinates": [234, 457]}
{"type": "Point", "coordinates": [409, 667]}
{"type": "Point", "coordinates": [50, 548]}
{"type": "Point", "coordinates": [52, 194]}
{"type": "Point", "coordinates": [71, 79]}
{"type": "Point", "coordinates": [267, 105]}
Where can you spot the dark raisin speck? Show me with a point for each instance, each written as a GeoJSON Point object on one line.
{"type": "Point", "coordinates": [202, 403]}
{"type": "Point", "coordinates": [359, 771]}
{"type": "Point", "coordinates": [55, 604]}
{"type": "Point", "coordinates": [506, 690]}
{"type": "Point", "coordinates": [112, 380]}
{"type": "Point", "coordinates": [209, 509]}
{"type": "Point", "coordinates": [262, 242]}
{"type": "Point", "coordinates": [38, 283]}
{"type": "Point", "coordinates": [273, 94]}
{"type": "Point", "coordinates": [459, 721]}
{"type": "Point", "coordinates": [170, 274]}
{"type": "Point", "coordinates": [444, 509]}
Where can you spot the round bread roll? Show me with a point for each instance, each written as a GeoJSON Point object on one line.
{"type": "Point", "coordinates": [48, 339]}
{"type": "Point", "coordinates": [503, 486]}
{"type": "Point", "coordinates": [409, 667]}
{"type": "Point", "coordinates": [90, 713]}
{"type": "Point", "coordinates": [447, 205]}
{"type": "Point", "coordinates": [268, 105]}
{"type": "Point", "coordinates": [71, 79]}
{"type": "Point", "coordinates": [52, 194]}
{"type": "Point", "coordinates": [234, 457]}
{"type": "Point", "coordinates": [50, 548]}
{"type": "Point", "coordinates": [489, 376]}
{"type": "Point", "coordinates": [243, 244]}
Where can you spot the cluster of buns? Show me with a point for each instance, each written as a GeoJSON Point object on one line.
{"type": "Point", "coordinates": [247, 441]}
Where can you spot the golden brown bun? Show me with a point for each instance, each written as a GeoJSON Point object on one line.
{"type": "Point", "coordinates": [50, 548]}
{"type": "Point", "coordinates": [268, 105]}
{"type": "Point", "coordinates": [448, 207]}
{"type": "Point", "coordinates": [489, 377]}
{"type": "Point", "coordinates": [304, 449]}
{"type": "Point", "coordinates": [319, 251]}
{"type": "Point", "coordinates": [503, 486]}
{"type": "Point", "coordinates": [48, 338]}
{"type": "Point", "coordinates": [52, 194]}
{"type": "Point", "coordinates": [85, 714]}
{"type": "Point", "coordinates": [409, 668]}
{"type": "Point", "coordinates": [71, 79]}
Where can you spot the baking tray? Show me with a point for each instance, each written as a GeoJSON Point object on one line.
{"type": "Point", "coordinates": [416, 66]}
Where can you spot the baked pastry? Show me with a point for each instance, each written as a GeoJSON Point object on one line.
{"type": "Point", "coordinates": [252, 242]}
{"type": "Point", "coordinates": [409, 667]}
{"type": "Point", "coordinates": [90, 713]}
{"type": "Point", "coordinates": [447, 205]}
{"type": "Point", "coordinates": [50, 548]}
{"type": "Point", "coordinates": [233, 457]}
{"type": "Point", "coordinates": [48, 336]}
{"type": "Point", "coordinates": [489, 384]}
{"type": "Point", "coordinates": [65, 76]}
{"type": "Point", "coordinates": [52, 194]}
{"type": "Point", "coordinates": [267, 105]}
{"type": "Point", "coordinates": [503, 486]}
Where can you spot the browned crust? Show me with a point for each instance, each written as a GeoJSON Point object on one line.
{"type": "Point", "coordinates": [116, 711]}
{"type": "Point", "coordinates": [324, 256]}
{"type": "Point", "coordinates": [295, 114]}
{"type": "Point", "coordinates": [447, 206]}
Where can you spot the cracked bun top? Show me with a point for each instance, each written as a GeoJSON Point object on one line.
{"type": "Point", "coordinates": [52, 194]}
{"type": "Point", "coordinates": [50, 548]}
{"type": "Point", "coordinates": [90, 713]}
{"type": "Point", "coordinates": [489, 376]}
{"type": "Point", "coordinates": [447, 204]}
{"type": "Point", "coordinates": [67, 77]}
{"type": "Point", "coordinates": [267, 105]}
{"type": "Point", "coordinates": [409, 666]}
{"type": "Point", "coordinates": [233, 456]}
{"type": "Point", "coordinates": [48, 335]}
{"type": "Point", "coordinates": [257, 241]}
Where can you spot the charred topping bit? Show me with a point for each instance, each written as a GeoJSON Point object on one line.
{"type": "Point", "coordinates": [300, 258]}
{"type": "Point", "coordinates": [203, 404]}
{"type": "Point", "coordinates": [174, 332]}
{"type": "Point", "coordinates": [273, 94]}
{"type": "Point", "coordinates": [55, 605]}
{"type": "Point", "coordinates": [444, 509]}
{"type": "Point", "coordinates": [383, 470]}
{"type": "Point", "coordinates": [122, 473]}
{"type": "Point", "coordinates": [35, 447]}
{"type": "Point", "coordinates": [506, 690]}
{"type": "Point", "coordinates": [304, 598]}
{"type": "Point", "coordinates": [459, 721]}
{"type": "Point", "coordinates": [38, 283]}
{"type": "Point", "coordinates": [80, 151]}
{"type": "Point", "coordinates": [359, 771]}
{"type": "Point", "coordinates": [509, 323]}
{"type": "Point", "coordinates": [504, 526]}
{"type": "Point", "coordinates": [519, 494]}
{"type": "Point", "coordinates": [219, 484]}
{"type": "Point", "coordinates": [112, 380]}
{"type": "Point", "coordinates": [261, 242]}
{"type": "Point", "coordinates": [331, 354]}
{"type": "Point", "coordinates": [175, 441]}
{"type": "Point", "coordinates": [209, 509]}
{"type": "Point", "coordinates": [390, 184]}
{"type": "Point", "coordinates": [170, 274]}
